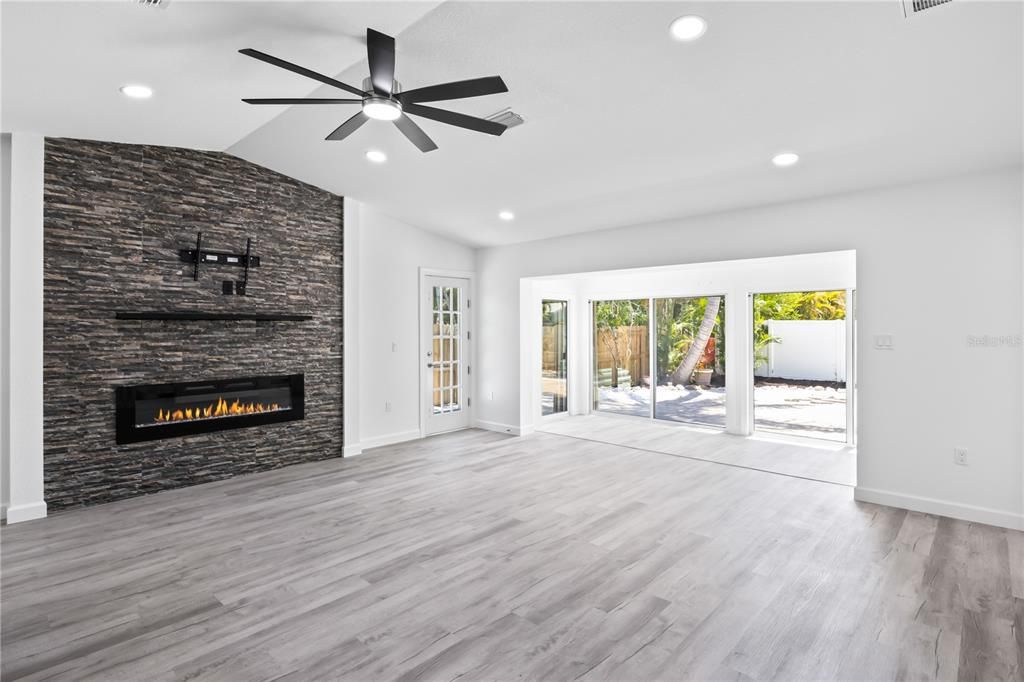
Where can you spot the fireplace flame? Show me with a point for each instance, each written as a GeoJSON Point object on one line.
{"type": "Point", "coordinates": [221, 408]}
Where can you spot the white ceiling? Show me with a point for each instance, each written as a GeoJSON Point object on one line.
{"type": "Point", "coordinates": [623, 124]}
{"type": "Point", "coordinates": [63, 62]}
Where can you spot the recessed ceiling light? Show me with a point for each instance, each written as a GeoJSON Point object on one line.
{"type": "Point", "coordinates": [137, 91]}
{"type": "Point", "coordinates": [688, 28]}
{"type": "Point", "coordinates": [785, 159]}
{"type": "Point", "coordinates": [507, 215]}
{"type": "Point", "coordinates": [376, 156]}
{"type": "Point", "coordinates": [381, 108]}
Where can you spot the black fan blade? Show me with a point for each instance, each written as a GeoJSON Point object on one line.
{"type": "Point", "coordinates": [415, 134]}
{"type": "Point", "coordinates": [348, 127]}
{"type": "Point", "coordinates": [380, 51]}
{"type": "Point", "coordinates": [298, 100]}
{"type": "Point", "coordinates": [475, 87]}
{"type": "Point", "coordinates": [302, 71]}
{"type": "Point", "coordinates": [455, 119]}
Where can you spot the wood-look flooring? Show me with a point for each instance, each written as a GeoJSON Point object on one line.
{"type": "Point", "coordinates": [817, 459]}
{"type": "Point", "coordinates": [477, 556]}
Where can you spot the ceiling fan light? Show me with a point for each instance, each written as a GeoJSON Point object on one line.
{"type": "Point", "coordinates": [381, 109]}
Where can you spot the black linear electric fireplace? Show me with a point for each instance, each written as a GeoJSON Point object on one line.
{"type": "Point", "coordinates": [155, 411]}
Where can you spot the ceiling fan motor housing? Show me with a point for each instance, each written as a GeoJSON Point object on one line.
{"type": "Point", "coordinates": [396, 87]}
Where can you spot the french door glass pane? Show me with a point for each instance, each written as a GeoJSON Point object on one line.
{"type": "Point", "coordinates": [690, 334]}
{"type": "Point", "coordinates": [622, 382]}
{"type": "Point", "coordinates": [554, 342]}
{"type": "Point", "coordinates": [446, 349]}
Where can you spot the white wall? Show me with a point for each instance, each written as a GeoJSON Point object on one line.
{"type": "Point", "coordinates": [922, 251]}
{"type": "Point", "coordinates": [21, 301]}
{"type": "Point", "coordinates": [805, 349]}
{"type": "Point", "coordinates": [382, 311]}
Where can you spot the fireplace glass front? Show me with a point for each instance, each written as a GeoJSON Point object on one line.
{"type": "Point", "coordinates": [152, 411]}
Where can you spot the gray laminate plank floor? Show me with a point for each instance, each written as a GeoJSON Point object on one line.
{"type": "Point", "coordinates": [477, 556]}
{"type": "Point", "coordinates": [804, 457]}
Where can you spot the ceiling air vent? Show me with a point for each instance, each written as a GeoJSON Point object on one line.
{"type": "Point", "coordinates": [911, 7]}
{"type": "Point", "coordinates": [507, 118]}
{"type": "Point", "coordinates": [162, 4]}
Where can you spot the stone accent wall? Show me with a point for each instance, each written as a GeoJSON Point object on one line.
{"type": "Point", "coordinates": [115, 217]}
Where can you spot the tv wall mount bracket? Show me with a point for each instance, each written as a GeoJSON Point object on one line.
{"type": "Point", "coordinates": [199, 256]}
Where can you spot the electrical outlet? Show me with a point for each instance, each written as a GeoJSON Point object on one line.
{"type": "Point", "coordinates": [387, 405]}
{"type": "Point", "coordinates": [960, 456]}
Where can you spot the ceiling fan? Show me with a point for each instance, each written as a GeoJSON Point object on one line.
{"type": "Point", "coordinates": [382, 98]}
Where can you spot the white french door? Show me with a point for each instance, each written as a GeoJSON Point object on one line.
{"type": "Point", "coordinates": [446, 368]}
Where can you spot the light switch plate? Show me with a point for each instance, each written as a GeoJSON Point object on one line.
{"type": "Point", "coordinates": [884, 342]}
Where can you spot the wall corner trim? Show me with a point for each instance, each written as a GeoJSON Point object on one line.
{"type": "Point", "coordinates": [501, 428]}
{"type": "Point", "coordinates": [928, 505]}
{"type": "Point", "coordinates": [25, 512]}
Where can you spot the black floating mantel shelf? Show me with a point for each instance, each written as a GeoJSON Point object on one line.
{"type": "Point", "coordinates": [183, 315]}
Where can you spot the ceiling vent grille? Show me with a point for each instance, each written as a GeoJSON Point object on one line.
{"type": "Point", "coordinates": [507, 118]}
{"type": "Point", "coordinates": [911, 7]}
{"type": "Point", "coordinates": [162, 4]}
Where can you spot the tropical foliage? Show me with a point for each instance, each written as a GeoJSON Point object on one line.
{"type": "Point", "coordinates": [801, 305]}
{"type": "Point", "coordinates": [679, 325]}
{"type": "Point", "coordinates": [613, 321]}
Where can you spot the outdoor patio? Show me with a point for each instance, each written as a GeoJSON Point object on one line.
{"type": "Point", "coordinates": [809, 411]}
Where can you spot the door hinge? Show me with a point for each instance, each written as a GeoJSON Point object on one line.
{"type": "Point", "coordinates": [469, 303]}
{"type": "Point", "coordinates": [469, 402]}
{"type": "Point", "coordinates": [469, 369]}
{"type": "Point", "coordinates": [469, 336]}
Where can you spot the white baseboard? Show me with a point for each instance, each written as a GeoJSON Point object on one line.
{"type": "Point", "coordinates": [352, 450]}
{"type": "Point", "coordinates": [387, 439]}
{"type": "Point", "coordinates": [497, 426]}
{"type": "Point", "coordinates": [25, 512]}
{"type": "Point", "coordinates": [928, 505]}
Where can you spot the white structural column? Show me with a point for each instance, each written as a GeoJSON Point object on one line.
{"type": "Point", "coordinates": [22, 303]}
{"type": "Point", "coordinates": [739, 363]}
{"type": "Point", "coordinates": [5, 318]}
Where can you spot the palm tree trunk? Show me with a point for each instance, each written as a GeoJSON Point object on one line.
{"type": "Point", "coordinates": [682, 373]}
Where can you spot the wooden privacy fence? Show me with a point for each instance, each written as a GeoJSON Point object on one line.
{"type": "Point", "coordinates": [552, 347]}
{"type": "Point", "coordinates": [633, 348]}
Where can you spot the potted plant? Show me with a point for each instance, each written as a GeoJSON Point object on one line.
{"type": "Point", "coordinates": [702, 374]}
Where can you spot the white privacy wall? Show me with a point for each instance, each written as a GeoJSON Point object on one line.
{"type": "Point", "coordinates": [383, 257]}
{"type": "Point", "coordinates": [923, 251]}
{"type": "Point", "coordinates": [805, 349]}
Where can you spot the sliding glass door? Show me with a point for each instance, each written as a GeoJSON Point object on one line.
{"type": "Point", "coordinates": [679, 341]}
{"type": "Point", "coordinates": [554, 347]}
{"type": "Point", "coordinates": [622, 360]}
{"type": "Point", "coordinates": [800, 363]}
{"type": "Point", "coordinates": [690, 335]}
